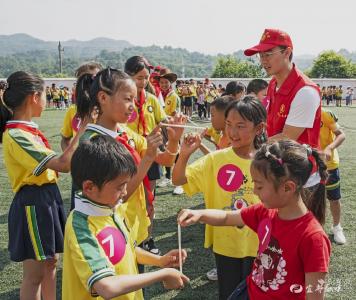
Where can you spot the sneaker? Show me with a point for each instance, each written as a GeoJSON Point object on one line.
{"type": "Point", "coordinates": [212, 275]}
{"type": "Point", "coordinates": [151, 247]}
{"type": "Point", "coordinates": [178, 190]}
{"type": "Point", "coordinates": [164, 182]}
{"type": "Point", "coordinates": [339, 236]}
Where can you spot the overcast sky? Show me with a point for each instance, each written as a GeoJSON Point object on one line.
{"type": "Point", "coordinates": [209, 26]}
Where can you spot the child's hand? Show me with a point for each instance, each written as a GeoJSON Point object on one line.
{"type": "Point", "coordinates": [188, 217]}
{"type": "Point", "coordinates": [175, 133]}
{"type": "Point", "coordinates": [171, 259]}
{"type": "Point", "coordinates": [174, 279]}
{"type": "Point", "coordinates": [191, 143]}
{"type": "Point", "coordinates": [154, 140]}
{"type": "Point", "coordinates": [327, 153]}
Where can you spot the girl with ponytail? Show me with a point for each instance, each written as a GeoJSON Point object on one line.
{"type": "Point", "coordinates": [294, 251]}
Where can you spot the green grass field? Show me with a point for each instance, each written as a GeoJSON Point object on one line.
{"type": "Point", "coordinates": [342, 283]}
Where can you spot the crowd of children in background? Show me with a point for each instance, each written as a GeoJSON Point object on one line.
{"type": "Point", "coordinates": [335, 94]}
{"type": "Point", "coordinates": [128, 125]}
{"type": "Point", "coordinates": [59, 97]}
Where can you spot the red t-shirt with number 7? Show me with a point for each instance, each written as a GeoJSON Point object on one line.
{"type": "Point", "coordinates": [287, 250]}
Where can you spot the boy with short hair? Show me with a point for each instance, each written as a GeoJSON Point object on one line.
{"type": "Point", "coordinates": [100, 258]}
{"type": "Point", "coordinates": [216, 133]}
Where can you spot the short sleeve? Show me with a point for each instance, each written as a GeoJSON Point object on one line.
{"type": "Point", "coordinates": [195, 175]}
{"type": "Point", "coordinates": [331, 121]}
{"type": "Point", "coordinates": [315, 253]}
{"type": "Point", "coordinates": [136, 141]}
{"type": "Point", "coordinates": [303, 108]}
{"type": "Point", "coordinates": [86, 257]}
{"type": "Point", "coordinates": [160, 115]}
{"type": "Point", "coordinates": [253, 214]}
{"type": "Point", "coordinates": [30, 151]}
{"type": "Point", "coordinates": [67, 130]}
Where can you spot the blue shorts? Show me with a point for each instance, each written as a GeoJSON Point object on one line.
{"type": "Point", "coordinates": [333, 192]}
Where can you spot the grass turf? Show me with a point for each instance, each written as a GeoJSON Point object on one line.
{"type": "Point", "coordinates": [341, 282]}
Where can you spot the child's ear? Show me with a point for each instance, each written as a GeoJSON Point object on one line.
{"type": "Point", "coordinates": [260, 128]}
{"type": "Point", "coordinates": [89, 188]}
{"type": "Point", "coordinates": [34, 98]}
{"type": "Point", "coordinates": [290, 186]}
{"type": "Point", "coordinates": [102, 97]}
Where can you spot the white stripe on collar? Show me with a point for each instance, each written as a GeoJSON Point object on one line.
{"type": "Point", "coordinates": [102, 130]}
{"type": "Point", "coordinates": [32, 124]}
{"type": "Point", "coordinates": [90, 208]}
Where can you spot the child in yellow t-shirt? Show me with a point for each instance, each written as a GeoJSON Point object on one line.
{"type": "Point", "coordinates": [331, 137]}
{"type": "Point", "coordinates": [36, 215]}
{"type": "Point", "coordinates": [146, 115]}
{"type": "Point", "coordinates": [172, 107]}
{"type": "Point", "coordinates": [224, 179]}
{"type": "Point", "coordinates": [112, 92]}
{"type": "Point", "coordinates": [100, 257]}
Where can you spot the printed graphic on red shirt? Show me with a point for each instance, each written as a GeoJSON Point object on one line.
{"type": "Point", "coordinates": [269, 269]}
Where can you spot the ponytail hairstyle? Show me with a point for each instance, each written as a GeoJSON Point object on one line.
{"type": "Point", "coordinates": [82, 89]}
{"type": "Point", "coordinates": [19, 85]}
{"type": "Point", "coordinates": [109, 81]}
{"type": "Point", "coordinates": [251, 109]}
{"type": "Point", "coordinates": [287, 159]}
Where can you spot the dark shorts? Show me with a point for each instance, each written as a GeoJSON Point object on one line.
{"type": "Point", "coordinates": [231, 272]}
{"type": "Point", "coordinates": [188, 101]}
{"type": "Point", "coordinates": [36, 223]}
{"type": "Point", "coordinates": [154, 172]}
{"type": "Point", "coordinates": [333, 192]}
{"type": "Point", "coordinates": [240, 293]}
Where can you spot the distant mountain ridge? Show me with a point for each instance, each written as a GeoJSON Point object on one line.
{"type": "Point", "coordinates": [24, 52]}
{"type": "Point", "coordinates": [20, 42]}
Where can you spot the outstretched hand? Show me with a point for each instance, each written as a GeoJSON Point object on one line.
{"type": "Point", "coordinates": [188, 217]}
{"type": "Point", "coordinates": [171, 259]}
{"type": "Point", "coordinates": [175, 133]}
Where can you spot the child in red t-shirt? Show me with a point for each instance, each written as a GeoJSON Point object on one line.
{"type": "Point", "coordinates": [294, 251]}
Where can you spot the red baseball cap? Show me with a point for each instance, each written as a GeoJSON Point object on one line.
{"type": "Point", "coordinates": [271, 38]}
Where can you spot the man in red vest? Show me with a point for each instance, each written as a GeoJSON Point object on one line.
{"type": "Point", "coordinates": [294, 103]}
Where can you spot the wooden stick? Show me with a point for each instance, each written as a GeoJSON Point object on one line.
{"type": "Point", "coordinates": [195, 124]}
{"type": "Point", "coordinates": [182, 126]}
{"type": "Point", "coordinates": [180, 249]}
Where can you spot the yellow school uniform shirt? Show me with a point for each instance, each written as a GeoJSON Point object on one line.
{"type": "Point", "coordinates": [135, 207]}
{"type": "Point", "coordinates": [224, 179]}
{"type": "Point", "coordinates": [328, 126]}
{"type": "Point", "coordinates": [210, 96]}
{"type": "Point", "coordinates": [214, 135]}
{"type": "Point", "coordinates": [71, 122]}
{"type": "Point", "coordinates": [66, 94]}
{"type": "Point", "coordinates": [55, 94]}
{"type": "Point", "coordinates": [97, 244]}
{"type": "Point", "coordinates": [25, 157]}
{"type": "Point", "coordinates": [179, 91]}
{"type": "Point", "coordinates": [193, 88]}
{"type": "Point", "coordinates": [172, 103]}
{"type": "Point", "coordinates": [153, 114]}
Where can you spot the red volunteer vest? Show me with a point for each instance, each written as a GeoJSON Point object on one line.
{"type": "Point", "coordinates": [279, 103]}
